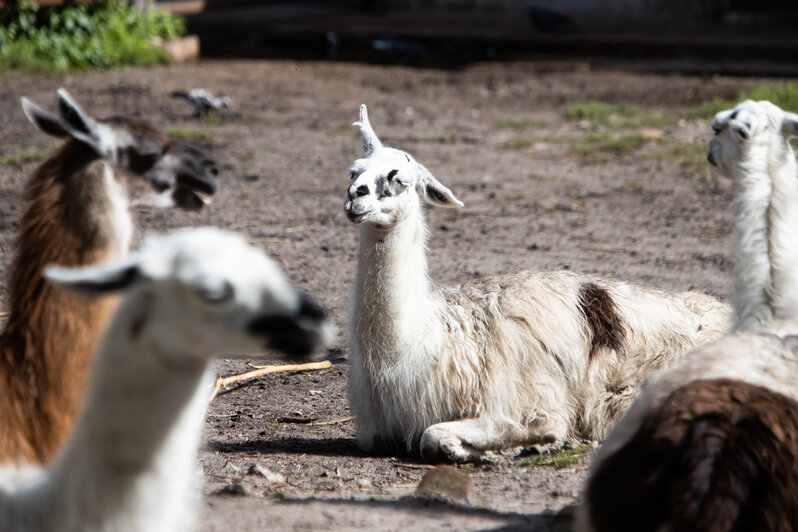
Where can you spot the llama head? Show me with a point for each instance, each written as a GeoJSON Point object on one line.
{"type": "Point", "coordinates": [154, 169]}
{"type": "Point", "coordinates": [387, 183]}
{"type": "Point", "coordinates": [741, 133]}
{"type": "Point", "coordinates": [203, 292]}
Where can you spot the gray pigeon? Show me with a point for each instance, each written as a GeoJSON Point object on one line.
{"type": "Point", "coordinates": [203, 101]}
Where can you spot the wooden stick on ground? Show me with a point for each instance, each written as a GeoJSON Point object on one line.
{"type": "Point", "coordinates": [225, 382]}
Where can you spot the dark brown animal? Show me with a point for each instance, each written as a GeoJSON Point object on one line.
{"type": "Point", "coordinates": [711, 445]}
{"type": "Point", "coordinates": [78, 213]}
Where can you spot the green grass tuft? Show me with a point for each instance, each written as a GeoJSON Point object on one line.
{"type": "Point", "coordinates": [601, 111]}
{"type": "Point", "coordinates": [342, 127]}
{"type": "Point", "coordinates": [519, 143]}
{"type": "Point", "coordinates": [191, 134]}
{"type": "Point", "coordinates": [517, 125]}
{"type": "Point", "coordinates": [596, 147]}
{"type": "Point", "coordinates": [443, 138]}
{"type": "Point", "coordinates": [19, 159]}
{"type": "Point", "coordinates": [617, 115]}
{"type": "Point", "coordinates": [785, 95]}
{"type": "Point", "coordinates": [561, 459]}
{"type": "Point", "coordinates": [691, 156]}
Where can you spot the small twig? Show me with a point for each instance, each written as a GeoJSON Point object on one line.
{"type": "Point", "coordinates": [298, 420]}
{"type": "Point", "coordinates": [269, 240]}
{"type": "Point", "coordinates": [333, 421]}
{"type": "Point", "coordinates": [414, 466]}
{"type": "Point", "coordinates": [225, 382]}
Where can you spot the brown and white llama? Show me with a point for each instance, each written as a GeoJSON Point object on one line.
{"type": "Point", "coordinates": [187, 297]}
{"type": "Point", "coordinates": [501, 363]}
{"type": "Point", "coordinates": [77, 213]}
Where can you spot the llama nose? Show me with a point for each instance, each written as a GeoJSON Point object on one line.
{"type": "Point", "coordinates": [209, 165]}
{"type": "Point", "coordinates": [362, 190]}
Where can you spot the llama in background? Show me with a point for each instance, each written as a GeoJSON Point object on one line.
{"type": "Point", "coordinates": [712, 443]}
{"type": "Point", "coordinates": [78, 212]}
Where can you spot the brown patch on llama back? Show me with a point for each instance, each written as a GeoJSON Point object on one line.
{"type": "Point", "coordinates": [716, 455]}
{"type": "Point", "coordinates": [602, 317]}
{"type": "Point", "coordinates": [41, 349]}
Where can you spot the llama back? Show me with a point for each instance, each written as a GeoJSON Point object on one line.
{"type": "Point", "coordinates": [659, 329]}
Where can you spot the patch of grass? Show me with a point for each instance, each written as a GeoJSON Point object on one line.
{"type": "Point", "coordinates": [443, 138]}
{"type": "Point", "coordinates": [617, 115]}
{"type": "Point", "coordinates": [595, 147]}
{"type": "Point", "coordinates": [470, 469]}
{"type": "Point", "coordinates": [561, 459]}
{"type": "Point", "coordinates": [709, 109]}
{"type": "Point", "coordinates": [519, 143]}
{"type": "Point", "coordinates": [516, 124]}
{"type": "Point", "coordinates": [19, 159]}
{"type": "Point", "coordinates": [342, 127]}
{"type": "Point", "coordinates": [785, 95]}
{"type": "Point", "coordinates": [595, 110]}
{"type": "Point", "coordinates": [191, 134]}
{"type": "Point", "coordinates": [95, 35]}
{"type": "Point", "coordinates": [684, 153]}
{"type": "Point", "coordinates": [217, 118]}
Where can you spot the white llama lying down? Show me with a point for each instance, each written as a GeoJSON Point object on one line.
{"type": "Point", "coordinates": [508, 361]}
{"type": "Point", "coordinates": [712, 443]}
{"type": "Point", "coordinates": [190, 296]}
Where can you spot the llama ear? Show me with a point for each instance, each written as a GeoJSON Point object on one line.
{"type": "Point", "coordinates": [73, 114]}
{"type": "Point", "coordinates": [742, 129]}
{"type": "Point", "coordinates": [789, 125]}
{"type": "Point", "coordinates": [45, 121]}
{"type": "Point", "coordinates": [95, 280]}
{"type": "Point", "coordinates": [433, 191]}
{"type": "Point", "coordinates": [80, 125]}
{"type": "Point", "coordinates": [370, 141]}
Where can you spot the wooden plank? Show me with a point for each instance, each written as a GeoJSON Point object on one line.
{"type": "Point", "coordinates": [186, 7]}
{"type": "Point", "coordinates": [43, 3]}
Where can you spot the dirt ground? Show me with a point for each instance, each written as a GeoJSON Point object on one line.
{"type": "Point", "coordinates": [497, 135]}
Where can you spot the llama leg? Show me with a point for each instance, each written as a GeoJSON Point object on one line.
{"type": "Point", "coordinates": [469, 440]}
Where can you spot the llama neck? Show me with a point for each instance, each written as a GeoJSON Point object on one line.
{"type": "Point", "coordinates": [752, 191]}
{"type": "Point", "coordinates": [129, 464]}
{"type": "Point", "coordinates": [782, 218]}
{"type": "Point", "coordinates": [77, 214]}
{"type": "Point", "coordinates": [395, 299]}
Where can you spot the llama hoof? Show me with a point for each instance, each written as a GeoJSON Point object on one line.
{"type": "Point", "coordinates": [448, 447]}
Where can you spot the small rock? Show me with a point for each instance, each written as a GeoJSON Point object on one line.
{"type": "Point", "coordinates": [363, 483]}
{"type": "Point", "coordinates": [230, 466]}
{"type": "Point", "coordinates": [236, 489]}
{"type": "Point", "coordinates": [272, 477]}
{"type": "Point", "coordinates": [446, 483]}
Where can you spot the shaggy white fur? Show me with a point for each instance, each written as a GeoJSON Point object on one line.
{"type": "Point", "coordinates": [190, 296]}
{"type": "Point", "coordinates": [508, 361]}
{"type": "Point", "coordinates": [751, 146]}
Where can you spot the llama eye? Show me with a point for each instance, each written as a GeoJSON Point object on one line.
{"type": "Point", "coordinates": [141, 162]}
{"type": "Point", "coordinates": [217, 294]}
{"type": "Point", "coordinates": [392, 174]}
